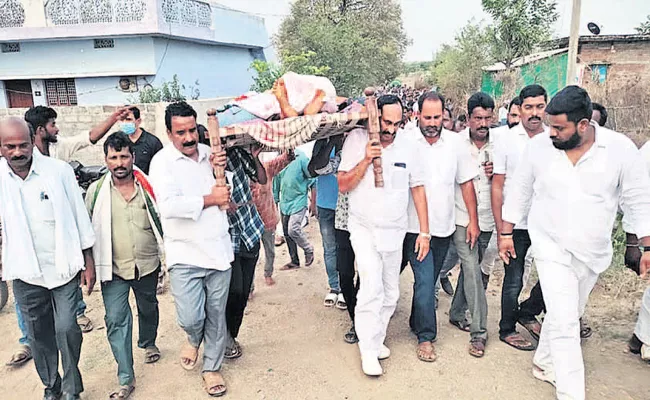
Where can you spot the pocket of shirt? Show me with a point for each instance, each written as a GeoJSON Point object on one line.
{"type": "Point", "coordinates": [399, 177]}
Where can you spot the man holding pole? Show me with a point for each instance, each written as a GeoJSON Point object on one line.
{"type": "Point", "coordinates": [378, 221]}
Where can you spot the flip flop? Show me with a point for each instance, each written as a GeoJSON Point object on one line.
{"type": "Point", "coordinates": [433, 357]}
{"type": "Point", "coordinates": [20, 357]}
{"type": "Point", "coordinates": [189, 352]}
{"type": "Point", "coordinates": [289, 267]}
{"type": "Point", "coordinates": [533, 327]}
{"type": "Point", "coordinates": [124, 392]}
{"type": "Point", "coordinates": [340, 302]}
{"type": "Point", "coordinates": [214, 384]}
{"type": "Point", "coordinates": [151, 355]}
{"type": "Point", "coordinates": [85, 324]}
{"type": "Point", "coordinates": [330, 299]}
{"type": "Point", "coordinates": [477, 347]}
{"type": "Point", "coordinates": [351, 336]}
{"type": "Point", "coordinates": [518, 342]}
{"type": "Point", "coordinates": [585, 329]}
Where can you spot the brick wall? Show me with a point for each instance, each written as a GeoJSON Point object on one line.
{"type": "Point", "coordinates": [626, 90]}
{"type": "Point", "coordinates": [80, 119]}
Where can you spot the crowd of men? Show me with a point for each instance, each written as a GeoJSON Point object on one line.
{"type": "Point", "coordinates": [547, 185]}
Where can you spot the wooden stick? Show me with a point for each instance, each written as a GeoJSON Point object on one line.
{"type": "Point", "coordinates": [215, 144]}
{"type": "Point", "coordinates": [373, 136]}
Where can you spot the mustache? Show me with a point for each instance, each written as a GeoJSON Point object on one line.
{"type": "Point", "coordinates": [120, 169]}
{"type": "Point", "coordinates": [483, 129]}
{"type": "Point", "coordinates": [189, 144]}
{"type": "Point", "coordinates": [534, 119]}
{"type": "Point", "coordinates": [387, 133]}
{"type": "Point", "coordinates": [18, 158]}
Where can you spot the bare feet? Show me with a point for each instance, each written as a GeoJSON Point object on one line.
{"type": "Point", "coordinates": [269, 281]}
{"type": "Point", "coordinates": [426, 352]}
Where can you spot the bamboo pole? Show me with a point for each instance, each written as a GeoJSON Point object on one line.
{"type": "Point", "coordinates": [215, 144]}
{"type": "Point", "coordinates": [373, 136]}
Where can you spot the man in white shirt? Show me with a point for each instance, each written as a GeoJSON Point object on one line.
{"type": "Point", "coordinates": [446, 162]}
{"type": "Point", "coordinates": [46, 252]}
{"type": "Point", "coordinates": [198, 248]}
{"type": "Point", "coordinates": [479, 142]}
{"type": "Point", "coordinates": [507, 155]}
{"type": "Point", "coordinates": [378, 223]}
{"type": "Point", "coordinates": [569, 183]}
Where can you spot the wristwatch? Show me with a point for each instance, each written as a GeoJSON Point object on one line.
{"type": "Point", "coordinates": [644, 248]}
{"type": "Point", "coordinates": [428, 235]}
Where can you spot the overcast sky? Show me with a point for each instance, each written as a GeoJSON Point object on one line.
{"type": "Point", "coordinates": [430, 23]}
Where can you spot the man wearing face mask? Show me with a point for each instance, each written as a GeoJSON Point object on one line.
{"type": "Point", "coordinates": [145, 144]}
{"type": "Point", "coordinates": [507, 155]}
{"type": "Point", "coordinates": [569, 184]}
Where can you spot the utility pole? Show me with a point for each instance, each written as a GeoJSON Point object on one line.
{"type": "Point", "coordinates": [574, 38]}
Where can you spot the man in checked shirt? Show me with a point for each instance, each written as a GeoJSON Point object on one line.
{"type": "Point", "coordinates": [246, 229]}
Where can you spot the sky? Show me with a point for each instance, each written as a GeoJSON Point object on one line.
{"type": "Point", "coordinates": [431, 23]}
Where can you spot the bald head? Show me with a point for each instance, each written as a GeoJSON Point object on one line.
{"type": "Point", "coordinates": [16, 144]}
{"type": "Point", "coordinates": [369, 91]}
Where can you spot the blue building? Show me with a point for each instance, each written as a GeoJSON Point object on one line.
{"type": "Point", "coordinates": [96, 52]}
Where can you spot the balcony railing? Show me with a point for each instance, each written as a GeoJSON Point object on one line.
{"type": "Point", "coordinates": [187, 12]}
{"type": "Point", "coordinates": [73, 12]}
{"type": "Point", "coordinates": [12, 14]}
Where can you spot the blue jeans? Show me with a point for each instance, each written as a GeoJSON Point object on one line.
{"type": "Point", "coordinates": [326, 222]}
{"type": "Point", "coordinates": [81, 310]}
{"type": "Point", "coordinates": [423, 319]}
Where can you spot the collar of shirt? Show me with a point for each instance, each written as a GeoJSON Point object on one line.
{"type": "Point", "coordinates": [177, 155]}
{"type": "Point", "coordinates": [34, 169]}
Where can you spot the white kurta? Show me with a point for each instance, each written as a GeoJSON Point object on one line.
{"type": "Point", "coordinates": [571, 210]}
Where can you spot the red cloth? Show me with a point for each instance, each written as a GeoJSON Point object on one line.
{"type": "Point", "coordinates": [263, 194]}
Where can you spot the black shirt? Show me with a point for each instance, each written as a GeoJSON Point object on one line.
{"type": "Point", "coordinates": [146, 147]}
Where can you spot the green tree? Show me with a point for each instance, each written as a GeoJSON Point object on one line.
{"type": "Point", "coordinates": [268, 73]}
{"type": "Point", "coordinates": [168, 92]}
{"type": "Point", "coordinates": [457, 69]}
{"type": "Point", "coordinates": [361, 41]}
{"type": "Point", "coordinates": [519, 27]}
{"type": "Point", "coordinates": [644, 28]}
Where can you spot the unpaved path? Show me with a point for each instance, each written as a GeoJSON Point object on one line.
{"type": "Point", "coordinates": [293, 349]}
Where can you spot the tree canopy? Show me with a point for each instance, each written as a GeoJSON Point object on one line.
{"type": "Point", "coordinates": [644, 28]}
{"type": "Point", "coordinates": [361, 41]}
{"type": "Point", "coordinates": [519, 26]}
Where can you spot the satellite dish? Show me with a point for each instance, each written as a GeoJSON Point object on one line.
{"type": "Point", "coordinates": [593, 28]}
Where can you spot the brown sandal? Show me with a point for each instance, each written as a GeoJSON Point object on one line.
{"type": "Point", "coordinates": [533, 327]}
{"type": "Point", "coordinates": [214, 384]}
{"type": "Point", "coordinates": [477, 347]}
{"type": "Point", "coordinates": [518, 342]}
{"type": "Point", "coordinates": [422, 353]}
{"type": "Point", "coordinates": [289, 267]}
{"type": "Point", "coordinates": [20, 357]}
{"type": "Point", "coordinates": [462, 325]}
{"type": "Point", "coordinates": [151, 355]}
{"type": "Point", "coordinates": [191, 354]}
{"type": "Point", "coordinates": [124, 392]}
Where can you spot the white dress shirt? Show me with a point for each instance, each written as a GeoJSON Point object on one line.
{"type": "Point", "coordinates": [645, 153]}
{"type": "Point", "coordinates": [572, 208]}
{"type": "Point", "coordinates": [381, 209]}
{"type": "Point", "coordinates": [445, 164]}
{"type": "Point", "coordinates": [507, 152]}
{"type": "Point", "coordinates": [193, 235]}
{"type": "Point", "coordinates": [66, 146]}
{"type": "Point", "coordinates": [482, 185]}
{"type": "Point", "coordinates": [46, 180]}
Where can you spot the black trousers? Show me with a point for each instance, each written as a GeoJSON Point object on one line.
{"type": "Point", "coordinates": [291, 244]}
{"type": "Point", "coordinates": [511, 310]}
{"type": "Point", "coordinates": [241, 280]}
{"type": "Point", "coordinates": [345, 267]}
{"type": "Point", "coordinates": [51, 319]}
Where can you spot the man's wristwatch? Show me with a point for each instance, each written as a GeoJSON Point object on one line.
{"type": "Point", "coordinates": [425, 235]}
{"type": "Point", "coordinates": [644, 248]}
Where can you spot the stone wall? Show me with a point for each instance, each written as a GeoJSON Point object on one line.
{"type": "Point", "coordinates": [626, 90]}
{"type": "Point", "coordinates": [80, 120]}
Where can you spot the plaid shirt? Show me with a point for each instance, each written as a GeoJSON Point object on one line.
{"type": "Point", "coordinates": [245, 222]}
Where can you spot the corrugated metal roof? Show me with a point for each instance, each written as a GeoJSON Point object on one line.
{"type": "Point", "coordinates": [525, 60]}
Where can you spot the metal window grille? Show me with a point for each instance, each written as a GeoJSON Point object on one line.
{"type": "Point", "coordinates": [11, 47]}
{"type": "Point", "coordinates": [61, 92]}
{"type": "Point", "coordinates": [104, 43]}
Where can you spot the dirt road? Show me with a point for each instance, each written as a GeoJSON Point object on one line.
{"type": "Point", "coordinates": [294, 349]}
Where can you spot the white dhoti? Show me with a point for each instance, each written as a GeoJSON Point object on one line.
{"type": "Point", "coordinates": [642, 330]}
{"type": "Point", "coordinates": [378, 257]}
{"type": "Point", "coordinates": [566, 290]}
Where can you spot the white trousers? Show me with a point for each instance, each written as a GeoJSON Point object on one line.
{"type": "Point", "coordinates": [378, 288]}
{"type": "Point", "coordinates": [566, 290]}
{"type": "Point", "coordinates": [642, 330]}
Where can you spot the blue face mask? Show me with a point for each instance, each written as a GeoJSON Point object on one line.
{"type": "Point", "coordinates": [128, 128]}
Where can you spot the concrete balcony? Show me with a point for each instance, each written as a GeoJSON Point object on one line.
{"type": "Point", "coordinates": [194, 20]}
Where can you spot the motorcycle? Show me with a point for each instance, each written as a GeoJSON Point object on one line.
{"type": "Point", "coordinates": [87, 175]}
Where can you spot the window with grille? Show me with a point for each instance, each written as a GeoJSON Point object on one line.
{"type": "Point", "coordinates": [11, 47]}
{"type": "Point", "coordinates": [61, 92]}
{"type": "Point", "coordinates": [104, 43]}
